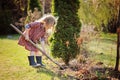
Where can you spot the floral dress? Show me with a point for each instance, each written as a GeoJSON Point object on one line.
{"type": "Point", "coordinates": [36, 32]}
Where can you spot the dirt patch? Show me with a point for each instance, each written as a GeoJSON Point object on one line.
{"type": "Point", "coordinates": [87, 71]}
{"type": "Point", "coordinates": [83, 70]}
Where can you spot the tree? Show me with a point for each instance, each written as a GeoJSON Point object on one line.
{"type": "Point", "coordinates": [118, 51]}
{"type": "Point", "coordinates": [102, 13]}
{"type": "Point", "coordinates": [118, 39]}
{"type": "Point", "coordinates": [48, 6]}
{"type": "Point", "coordinates": [10, 12]}
{"type": "Point", "coordinates": [33, 10]}
{"type": "Point", "coordinates": [34, 4]}
{"type": "Point", "coordinates": [63, 41]}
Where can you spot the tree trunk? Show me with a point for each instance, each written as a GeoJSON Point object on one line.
{"type": "Point", "coordinates": [118, 46]}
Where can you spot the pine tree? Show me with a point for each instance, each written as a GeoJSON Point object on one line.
{"type": "Point", "coordinates": [63, 41]}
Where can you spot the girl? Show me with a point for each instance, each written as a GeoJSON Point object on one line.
{"type": "Point", "coordinates": [36, 32]}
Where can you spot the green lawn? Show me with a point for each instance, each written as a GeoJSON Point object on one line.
{"type": "Point", "coordinates": [104, 49]}
{"type": "Point", "coordinates": [14, 63]}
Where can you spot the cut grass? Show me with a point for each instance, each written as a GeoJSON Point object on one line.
{"type": "Point", "coordinates": [14, 62]}
{"type": "Point", "coordinates": [104, 49]}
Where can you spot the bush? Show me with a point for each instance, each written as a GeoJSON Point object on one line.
{"type": "Point", "coordinates": [63, 41]}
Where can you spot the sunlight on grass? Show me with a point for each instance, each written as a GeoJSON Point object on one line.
{"type": "Point", "coordinates": [104, 49]}
{"type": "Point", "coordinates": [14, 62]}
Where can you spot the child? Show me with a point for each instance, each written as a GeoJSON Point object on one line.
{"type": "Point", "coordinates": [36, 32]}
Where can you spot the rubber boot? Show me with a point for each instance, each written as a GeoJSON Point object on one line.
{"type": "Point", "coordinates": [32, 62]}
{"type": "Point", "coordinates": [39, 60]}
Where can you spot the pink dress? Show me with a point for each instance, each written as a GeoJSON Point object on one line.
{"type": "Point", "coordinates": [36, 32]}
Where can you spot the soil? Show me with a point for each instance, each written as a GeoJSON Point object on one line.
{"type": "Point", "coordinates": [83, 70]}
{"type": "Point", "coordinates": [87, 71]}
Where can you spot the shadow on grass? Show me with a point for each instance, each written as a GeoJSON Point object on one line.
{"type": "Point", "coordinates": [53, 74]}
{"type": "Point", "coordinates": [10, 36]}
{"type": "Point", "coordinates": [108, 74]}
{"type": "Point", "coordinates": [114, 74]}
{"type": "Point", "coordinates": [110, 41]}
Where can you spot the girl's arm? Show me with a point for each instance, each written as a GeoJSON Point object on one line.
{"type": "Point", "coordinates": [42, 40]}
{"type": "Point", "coordinates": [27, 31]}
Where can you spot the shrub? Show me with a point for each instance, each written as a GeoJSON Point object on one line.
{"type": "Point", "coordinates": [63, 41]}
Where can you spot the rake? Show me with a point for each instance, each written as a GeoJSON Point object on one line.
{"type": "Point", "coordinates": [44, 53]}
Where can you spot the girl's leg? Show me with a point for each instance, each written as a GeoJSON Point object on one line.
{"type": "Point", "coordinates": [32, 60]}
{"type": "Point", "coordinates": [37, 53]}
{"type": "Point", "coordinates": [32, 53]}
{"type": "Point", "coordinates": [38, 58]}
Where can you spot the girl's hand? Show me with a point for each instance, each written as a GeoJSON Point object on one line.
{"type": "Point", "coordinates": [43, 45]}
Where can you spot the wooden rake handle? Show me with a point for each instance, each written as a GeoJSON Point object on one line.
{"type": "Point", "coordinates": [36, 46]}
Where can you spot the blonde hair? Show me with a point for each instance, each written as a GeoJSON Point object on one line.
{"type": "Point", "coordinates": [49, 19]}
